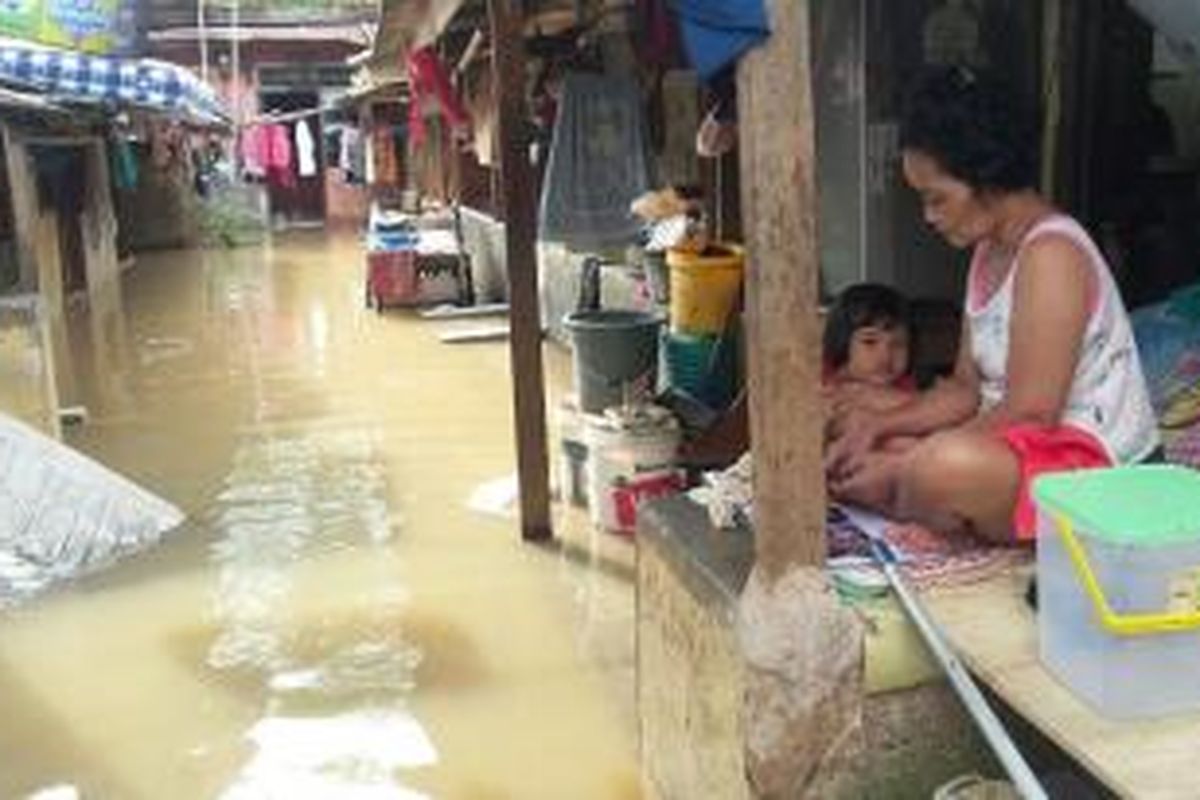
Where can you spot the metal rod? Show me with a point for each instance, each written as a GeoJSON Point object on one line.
{"type": "Point", "coordinates": [202, 36]}
{"type": "Point", "coordinates": [1027, 784]}
{"type": "Point", "coordinates": [236, 62]}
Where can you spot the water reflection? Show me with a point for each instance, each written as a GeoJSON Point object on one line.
{"type": "Point", "coordinates": [347, 757]}
{"type": "Point", "coordinates": [296, 641]}
{"type": "Point", "coordinates": [288, 497]}
{"type": "Point", "coordinates": [56, 793]}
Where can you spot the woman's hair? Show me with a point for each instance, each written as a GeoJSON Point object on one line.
{"type": "Point", "coordinates": [860, 306]}
{"type": "Point", "coordinates": [973, 126]}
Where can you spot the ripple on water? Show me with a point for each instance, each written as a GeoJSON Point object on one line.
{"type": "Point", "coordinates": [290, 497]}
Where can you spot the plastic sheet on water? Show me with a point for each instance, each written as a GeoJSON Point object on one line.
{"type": "Point", "coordinates": [63, 515]}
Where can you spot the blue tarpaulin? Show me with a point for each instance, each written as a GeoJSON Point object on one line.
{"type": "Point", "coordinates": [69, 76]}
{"type": "Point", "coordinates": [717, 32]}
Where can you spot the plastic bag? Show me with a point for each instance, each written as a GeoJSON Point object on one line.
{"type": "Point", "coordinates": [63, 515]}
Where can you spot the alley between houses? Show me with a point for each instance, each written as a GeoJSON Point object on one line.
{"type": "Point", "coordinates": [333, 620]}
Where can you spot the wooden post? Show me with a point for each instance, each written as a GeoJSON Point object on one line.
{"type": "Point", "coordinates": [23, 199]}
{"type": "Point", "coordinates": [779, 203]}
{"type": "Point", "coordinates": [1052, 88]}
{"type": "Point", "coordinates": [520, 234]}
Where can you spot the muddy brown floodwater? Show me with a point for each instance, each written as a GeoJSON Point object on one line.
{"type": "Point", "coordinates": [333, 621]}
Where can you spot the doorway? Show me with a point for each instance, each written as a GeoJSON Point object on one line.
{"type": "Point", "coordinates": [303, 202]}
{"type": "Point", "coordinates": [61, 180]}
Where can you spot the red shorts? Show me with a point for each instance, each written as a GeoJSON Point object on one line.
{"type": "Point", "coordinates": [1040, 450]}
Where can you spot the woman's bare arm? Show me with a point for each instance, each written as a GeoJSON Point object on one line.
{"type": "Point", "coordinates": [1049, 319]}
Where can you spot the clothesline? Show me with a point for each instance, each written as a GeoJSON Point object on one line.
{"type": "Point", "coordinates": [272, 118]}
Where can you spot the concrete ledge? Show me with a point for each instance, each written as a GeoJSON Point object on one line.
{"type": "Point", "coordinates": [689, 670]}
{"type": "Point", "coordinates": [693, 684]}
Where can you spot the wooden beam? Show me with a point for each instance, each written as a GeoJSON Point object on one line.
{"type": "Point", "coordinates": [520, 238]}
{"type": "Point", "coordinates": [23, 200]}
{"type": "Point", "coordinates": [1052, 95]}
{"type": "Point", "coordinates": [779, 201]}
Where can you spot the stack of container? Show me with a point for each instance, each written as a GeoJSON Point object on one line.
{"type": "Point", "coordinates": [618, 449]}
{"type": "Point", "coordinates": [705, 293]}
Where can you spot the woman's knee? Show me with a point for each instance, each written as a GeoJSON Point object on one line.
{"type": "Point", "coordinates": [951, 466]}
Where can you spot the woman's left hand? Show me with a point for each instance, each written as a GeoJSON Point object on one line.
{"type": "Point", "coordinates": [870, 484]}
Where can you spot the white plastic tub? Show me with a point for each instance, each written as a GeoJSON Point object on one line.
{"type": "Point", "coordinates": [1119, 587]}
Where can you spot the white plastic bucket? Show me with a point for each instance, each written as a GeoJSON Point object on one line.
{"type": "Point", "coordinates": [631, 457]}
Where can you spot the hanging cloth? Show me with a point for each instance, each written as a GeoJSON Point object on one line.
{"type": "Point", "coordinates": [658, 34]}
{"type": "Point", "coordinates": [350, 155]}
{"type": "Point", "coordinates": [599, 164]}
{"type": "Point", "coordinates": [123, 164]}
{"type": "Point", "coordinates": [718, 32]}
{"type": "Point", "coordinates": [306, 152]}
{"type": "Point", "coordinates": [279, 164]}
{"type": "Point", "coordinates": [254, 151]}
{"type": "Point", "coordinates": [383, 148]}
{"type": "Point", "coordinates": [428, 81]}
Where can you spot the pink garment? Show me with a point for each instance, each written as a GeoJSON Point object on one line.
{"type": "Point", "coordinates": [427, 77]}
{"type": "Point", "coordinates": [279, 156]}
{"type": "Point", "coordinates": [254, 151]}
{"type": "Point", "coordinates": [267, 153]}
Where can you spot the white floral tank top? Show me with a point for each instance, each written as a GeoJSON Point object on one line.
{"type": "Point", "coordinates": [1108, 397]}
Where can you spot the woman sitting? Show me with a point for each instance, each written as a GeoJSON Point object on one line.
{"type": "Point", "coordinates": [1047, 377]}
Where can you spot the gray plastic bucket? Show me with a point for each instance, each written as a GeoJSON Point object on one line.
{"type": "Point", "coordinates": [616, 357]}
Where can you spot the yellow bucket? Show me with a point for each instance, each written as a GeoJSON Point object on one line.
{"type": "Point", "coordinates": [705, 288]}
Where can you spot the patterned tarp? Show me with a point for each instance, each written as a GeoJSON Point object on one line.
{"type": "Point", "coordinates": [143, 83]}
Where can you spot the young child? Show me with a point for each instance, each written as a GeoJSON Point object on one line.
{"type": "Point", "coordinates": [867, 365]}
{"type": "Point", "coordinates": [867, 349]}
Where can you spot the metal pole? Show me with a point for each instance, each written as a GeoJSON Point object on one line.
{"type": "Point", "coordinates": [1028, 786]}
{"type": "Point", "coordinates": [202, 37]}
{"type": "Point", "coordinates": [236, 62]}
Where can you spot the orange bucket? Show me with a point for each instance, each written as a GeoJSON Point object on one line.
{"type": "Point", "coordinates": [705, 288]}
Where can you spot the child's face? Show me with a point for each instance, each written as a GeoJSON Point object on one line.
{"type": "Point", "coordinates": [878, 354]}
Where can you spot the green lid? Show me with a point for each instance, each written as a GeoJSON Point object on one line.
{"type": "Point", "coordinates": [1140, 506]}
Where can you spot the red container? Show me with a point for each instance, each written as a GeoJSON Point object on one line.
{"type": "Point", "coordinates": [627, 498]}
{"type": "Point", "coordinates": [391, 278]}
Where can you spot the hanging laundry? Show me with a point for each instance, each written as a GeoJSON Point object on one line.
{"type": "Point", "coordinates": [718, 32]}
{"type": "Point", "coordinates": [306, 150]}
{"type": "Point", "coordinates": [428, 81]}
{"type": "Point", "coordinates": [254, 152]}
{"type": "Point", "coordinates": [599, 164]}
{"type": "Point", "coordinates": [279, 156]}
{"type": "Point", "coordinates": [657, 34]}
{"type": "Point", "coordinates": [383, 149]}
{"type": "Point", "coordinates": [350, 155]}
{"type": "Point", "coordinates": [123, 163]}
{"type": "Point", "coordinates": [481, 105]}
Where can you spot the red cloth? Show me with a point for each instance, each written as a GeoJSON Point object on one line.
{"type": "Point", "coordinates": [279, 156]}
{"type": "Point", "coordinates": [427, 77]}
{"type": "Point", "coordinates": [267, 152]}
{"type": "Point", "coordinates": [1041, 450]}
